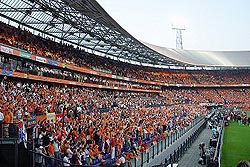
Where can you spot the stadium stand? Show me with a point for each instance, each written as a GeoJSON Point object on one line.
{"type": "Point", "coordinates": [23, 39]}
{"type": "Point", "coordinates": [95, 111]}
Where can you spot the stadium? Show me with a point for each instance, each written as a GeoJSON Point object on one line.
{"type": "Point", "coordinates": [78, 90]}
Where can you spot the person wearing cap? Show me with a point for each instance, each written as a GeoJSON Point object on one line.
{"type": "Point", "coordinates": [39, 156]}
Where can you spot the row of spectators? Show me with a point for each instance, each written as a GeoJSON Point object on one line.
{"type": "Point", "coordinates": [231, 98]}
{"type": "Point", "coordinates": [35, 68]}
{"type": "Point", "coordinates": [43, 98]}
{"type": "Point", "coordinates": [65, 53]}
{"type": "Point", "coordinates": [173, 96]}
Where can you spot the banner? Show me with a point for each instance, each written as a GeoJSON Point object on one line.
{"type": "Point", "coordinates": [25, 55]}
{"type": "Point", "coordinates": [23, 134]}
{"type": "Point", "coordinates": [51, 62]}
{"type": "Point", "coordinates": [6, 50]}
{"type": "Point", "coordinates": [8, 73]}
{"type": "Point", "coordinates": [59, 117]}
{"type": "Point", "coordinates": [40, 59]}
{"type": "Point", "coordinates": [32, 121]}
{"type": "Point", "coordinates": [51, 117]}
{"type": "Point", "coordinates": [41, 118]}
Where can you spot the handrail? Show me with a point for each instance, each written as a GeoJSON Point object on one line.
{"type": "Point", "coordinates": [9, 131]}
{"type": "Point", "coordinates": [221, 144]}
{"type": "Point", "coordinates": [164, 144]}
{"type": "Point", "coordinates": [218, 145]}
{"type": "Point", "coordinates": [179, 152]}
{"type": "Point", "coordinates": [58, 160]}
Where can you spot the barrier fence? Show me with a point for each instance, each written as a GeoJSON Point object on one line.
{"type": "Point", "coordinates": [180, 151]}
{"type": "Point", "coordinates": [156, 149]}
{"type": "Point", "coordinates": [41, 160]}
{"type": "Point", "coordinates": [218, 152]}
{"type": "Point", "coordinates": [9, 131]}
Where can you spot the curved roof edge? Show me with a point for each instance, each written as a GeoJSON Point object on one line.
{"type": "Point", "coordinates": [205, 58]}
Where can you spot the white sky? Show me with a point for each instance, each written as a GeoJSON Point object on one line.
{"type": "Point", "coordinates": [210, 24]}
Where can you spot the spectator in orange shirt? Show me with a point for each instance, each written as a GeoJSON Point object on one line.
{"type": "Point", "coordinates": [6, 124]}
{"type": "Point", "coordinates": [51, 152]}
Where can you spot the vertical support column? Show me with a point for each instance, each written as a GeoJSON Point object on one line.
{"type": "Point", "coordinates": [16, 154]}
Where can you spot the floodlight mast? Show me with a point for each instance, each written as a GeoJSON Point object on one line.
{"type": "Point", "coordinates": [178, 30]}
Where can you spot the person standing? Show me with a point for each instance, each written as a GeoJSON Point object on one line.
{"type": "Point", "coordinates": [57, 151]}
{"type": "Point", "coordinates": [12, 132]}
{"type": "Point", "coordinates": [1, 123]}
{"type": "Point", "coordinates": [6, 124]}
{"type": "Point", "coordinates": [51, 152]}
{"type": "Point", "coordinates": [39, 156]}
{"type": "Point", "coordinates": [66, 160]}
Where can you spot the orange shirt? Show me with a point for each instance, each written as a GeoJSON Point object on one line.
{"type": "Point", "coordinates": [11, 117]}
{"type": "Point", "coordinates": [51, 149]}
{"type": "Point", "coordinates": [91, 153]}
{"type": "Point", "coordinates": [6, 118]}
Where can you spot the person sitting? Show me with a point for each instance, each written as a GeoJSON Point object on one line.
{"type": "Point", "coordinates": [243, 163]}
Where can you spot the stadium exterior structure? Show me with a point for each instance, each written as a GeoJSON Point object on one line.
{"type": "Point", "coordinates": [84, 23]}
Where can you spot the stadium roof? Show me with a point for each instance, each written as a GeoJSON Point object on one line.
{"type": "Point", "coordinates": [206, 58]}
{"type": "Point", "coordinates": [87, 24]}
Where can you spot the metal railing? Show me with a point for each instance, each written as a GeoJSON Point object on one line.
{"type": "Point", "coordinates": [42, 160]}
{"type": "Point", "coordinates": [218, 151]}
{"type": "Point", "coordinates": [180, 151]}
{"type": "Point", "coordinates": [156, 149]}
{"type": "Point", "coordinates": [9, 131]}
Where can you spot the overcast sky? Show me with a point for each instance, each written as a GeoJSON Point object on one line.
{"type": "Point", "coordinates": [210, 24]}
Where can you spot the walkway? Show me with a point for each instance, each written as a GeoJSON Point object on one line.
{"type": "Point", "coordinates": [191, 157]}
{"type": "Point", "coordinates": [166, 153]}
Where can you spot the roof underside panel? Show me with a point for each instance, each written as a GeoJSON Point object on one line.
{"type": "Point", "coordinates": [80, 22]}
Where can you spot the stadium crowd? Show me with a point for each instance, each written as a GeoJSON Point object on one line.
{"type": "Point", "coordinates": [100, 124]}
{"type": "Point", "coordinates": [126, 126]}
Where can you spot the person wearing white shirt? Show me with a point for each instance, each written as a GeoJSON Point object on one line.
{"type": "Point", "coordinates": [66, 160]}
{"type": "Point", "coordinates": [1, 123]}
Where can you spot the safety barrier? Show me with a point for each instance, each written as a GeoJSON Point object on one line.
{"type": "Point", "coordinates": [42, 160]}
{"type": "Point", "coordinates": [159, 147]}
{"type": "Point", "coordinates": [218, 152]}
{"type": "Point", "coordinates": [180, 151]}
{"type": "Point", "coordinates": [9, 131]}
